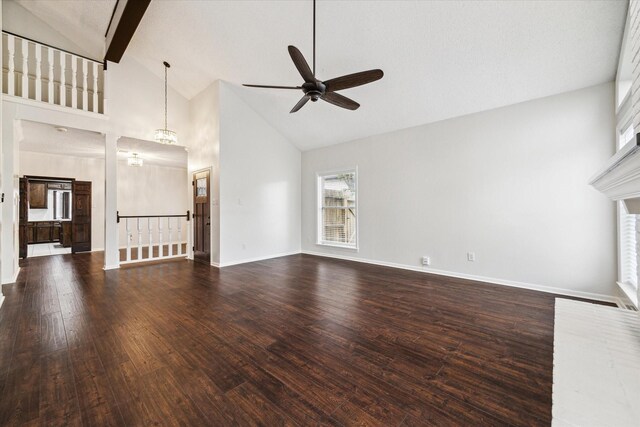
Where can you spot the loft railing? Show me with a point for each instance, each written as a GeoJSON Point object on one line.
{"type": "Point", "coordinates": [155, 237]}
{"type": "Point", "coordinates": [43, 73]}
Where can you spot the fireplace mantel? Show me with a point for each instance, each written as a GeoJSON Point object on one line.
{"type": "Point", "coordinates": [619, 178]}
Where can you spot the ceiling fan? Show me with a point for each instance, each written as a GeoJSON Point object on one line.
{"type": "Point", "coordinates": [315, 89]}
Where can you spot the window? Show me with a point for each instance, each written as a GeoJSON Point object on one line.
{"type": "Point", "coordinates": [627, 230]}
{"type": "Point", "coordinates": [337, 209]}
{"type": "Point", "coordinates": [627, 236]}
{"type": "Point", "coordinates": [625, 136]}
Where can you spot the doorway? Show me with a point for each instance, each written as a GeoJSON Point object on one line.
{"type": "Point", "coordinates": [201, 216]}
{"type": "Point", "coordinates": [54, 216]}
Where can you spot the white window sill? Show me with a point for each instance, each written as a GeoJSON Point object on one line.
{"type": "Point", "coordinates": [338, 245]}
{"type": "Point", "coordinates": [630, 292]}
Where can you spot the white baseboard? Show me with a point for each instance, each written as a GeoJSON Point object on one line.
{"type": "Point", "coordinates": [215, 264]}
{"type": "Point", "coordinates": [14, 278]}
{"type": "Point", "coordinates": [111, 267]}
{"type": "Point", "coordinates": [244, 261]}
{"type": "Point", "coordinates": [1, 299]}
{"type": "Point", "coordinates": [491, 280]}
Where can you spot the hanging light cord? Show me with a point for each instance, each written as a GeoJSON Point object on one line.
{"type": "Point", "coordinates": [165, 96]}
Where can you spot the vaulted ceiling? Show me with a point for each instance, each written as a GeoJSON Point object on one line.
{"type": "Point", "coordinates": [441, 59]}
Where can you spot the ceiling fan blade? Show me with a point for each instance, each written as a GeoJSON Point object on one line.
{"type": "Point", "coordinates": [300, 104]}
{"type": "Point", "coordinates": [274, 87]}
{"type": "Point", "coordinates": [301, 65]}
{"type": "Point", "coordinates": [353, 80]}
{"type": "Point", "coordinates": [340, 101]}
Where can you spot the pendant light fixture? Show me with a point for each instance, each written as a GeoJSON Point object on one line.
{"type": "Point", "coordinates": [134, 160]}
{"type": "Point", "coordinates": [165, 136]}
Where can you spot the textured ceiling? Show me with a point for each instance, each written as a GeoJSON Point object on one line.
{"type": "Point", "coordinates": [83, 22]}
{"type": "Point", "coordinates": [44, 138]}
{"type": "Point", "coordinates": [441, 58]}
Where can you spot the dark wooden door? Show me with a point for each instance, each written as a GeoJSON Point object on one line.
{"type": "Point", "coordinates": [201, 217]}
{"type": "Point", "coordinates": [81, 217]}
{"type": "Point", "coordinates": [23, 217]}
{"type": "Point", "coordinates": [38, 195]}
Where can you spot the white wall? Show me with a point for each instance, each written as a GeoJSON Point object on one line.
{"type": "Point", "coordinates": [151, 190]}
{"type": "Point", "coordinates": [204, 152]}
{"type": "Point", "coordinates": [259, 185]}
{"type": "Point", "coordinates": [135, 102]}
{"type": "Point", "coordinates": [18, 20]}
{"type": "Point", "coordinates": [80, 168]}
{"type": "Point", "coordinates": [508, 184]}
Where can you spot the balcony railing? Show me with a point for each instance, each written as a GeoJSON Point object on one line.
{"type": "Point", "coordinates": [154, 237]}
{"type": "Point", "coordinates": [39, 72]}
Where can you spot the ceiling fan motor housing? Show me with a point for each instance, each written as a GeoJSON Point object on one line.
{"type": "Point", "coordinates": [314, 90]}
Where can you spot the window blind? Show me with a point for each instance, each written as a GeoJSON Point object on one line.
{"type": "Point", "coordinates": [628, 247]}
{"type": "Point", "coordinates": [338, 215]}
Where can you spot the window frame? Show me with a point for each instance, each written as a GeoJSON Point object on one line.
{"type": "Point", "coordinates": [320, 177]}
{"type": "Point", "coordinates": [624, 120]}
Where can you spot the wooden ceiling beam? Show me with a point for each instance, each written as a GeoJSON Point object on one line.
{"type": "Point", "coordinates": [127, 15]}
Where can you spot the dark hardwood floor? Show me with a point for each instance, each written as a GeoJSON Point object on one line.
{"type": "Point", "coordinates": [299, 340]}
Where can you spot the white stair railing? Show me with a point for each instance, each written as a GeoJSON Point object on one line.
{"type": "Point", "coordinates": [155, 229]}
{"type": "Point", "coordinates": [52, 81]}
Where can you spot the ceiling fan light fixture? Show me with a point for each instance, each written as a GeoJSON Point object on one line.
{"type": "Point", "coordinates": [165, 135]}
{"type": "Point", "coordinates": [315, 89]}
{"type": "Point", "coordinates": [135, 160]}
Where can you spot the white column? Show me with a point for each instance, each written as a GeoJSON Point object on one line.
{"type": "Point", "coordinates": [128, 228]}
{"type": "Point", "coordinates": [170, 237]}
{"type": "Point", "coordinates": [85, 88]}
{"type": "Point", "coordinates": [111, 254]}
{"type": "Point", "coordinates": [25, 69]}
{"type": "Point", "coordinates": [179, 236]}
{"type": "Point", "coordinates": [160, 240]}
{"type": "Point", "coordinates": [139, 239]}
{"type": "Point", "coordinates": [9, 166]}
{"type": "Point", "coordinates": [11, 76]}
{"type": "Point", "coordinates": [74, 82]}
{"type": "Point", "coordinates": [95, 87]}
{"type": "Point", "coordinates": [50, 98]}
{"type": "Point", "coordinates": [38, 81]}
{"type": "Point", "coordinates": [150, 231]}
{"type": "Point", "coordinates": [63, 78]}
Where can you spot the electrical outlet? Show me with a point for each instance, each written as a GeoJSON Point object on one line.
{"type": "Point", "coordinates": [471, 256]}
{"type": "Point", "coordinates": [426, 260]}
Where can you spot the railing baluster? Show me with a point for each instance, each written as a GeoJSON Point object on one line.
{"type": "Point", "coordinates": [164, 234]}
{"type": "Point", "coordinates": [95, 87]}
{"type": "Point", "coordinates": [128, 239]}
{"type": "Point", "coordinates": [74, 81]}
{"type": "Point", "coordinates": [38, 82]}
{"type": "Point", "coordinates": [150, 238]}
{"type": "Point", "coordinates": [179, 220]}
{"type": "Point", "coordinates": [11, 48]}
{"type": "Point", "coordinates": [50, 85]}
{"type": "Point", "coordinates": [139, 240]}
{"type": "Point", "coordinates": [85, 89]}
{"type": "Point", "coordinates": [41, 67]}
{"type": "Point", "coordinates": [63, 79]}
{"type": "Point", "coordinates": [170, 241]}
{"type": "Point", "coordinates": [160, 241]}
{"type": "Point", "coordinates": [25, 69]}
